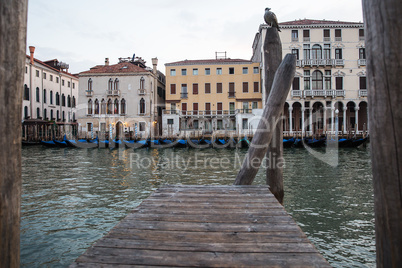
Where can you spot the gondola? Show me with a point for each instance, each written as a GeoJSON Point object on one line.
{"type": "Point", "coordinates": [315, 143]}
{"type": "Point", "coordinates": [220, 143]}
{"type": "Point", "coordinates": [82, 143]}
{"type": "Point", "coordinates": [50, 144]}
{"type": "Point", "coordinates": [103, 144]}
{"type": "Point", "coordinates": [288, 143]}
{"type": "Point", "coordinates": [154, 143]}
{"type": "Point", "coordinates": [30, 143]}
{"type": "Point", "coordinates": [115, 143]}
{"type": "Point", "coordinates": [205, 143]}
{"type": "Point", "coordinates": [63, 143]}
{"type": "Point", "coordinates": [243, 143]}
{"type": "Point", "coordinates": [134, 144]}
{"type": "Point", "coordinates": [358, 142]}
{"type": "Point", "coordinates": [342, 143]}
{"type": "Point", "coordinates": [181, 143]}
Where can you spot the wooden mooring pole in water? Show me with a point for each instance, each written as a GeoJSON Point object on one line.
{"type": "Point", "coordinates": [13, 23]}
{"type": "Point", "coordinates": [383, 22]}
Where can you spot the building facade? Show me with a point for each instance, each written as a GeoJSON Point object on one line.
{"type": "Point", "coordinates": [49, 99]}
{"type": "Point", "coordinates": [123, 100]}
{"type": "Point", "coordinates": [209, 96]}
{"type": "Point", "coordinates": [329, 89]}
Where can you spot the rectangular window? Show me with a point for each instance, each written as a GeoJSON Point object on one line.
{"type": "Point", "coordinates": [173, 108]}
{"type": "Point", "coordinates": [173, 72]}
{"type": "Point", "coordinates": [306, 35]}
{"type": "Point", "coordinates": [361, 34]}
{"type": "Point", "coordinates": [307, 80]}
{"type": "Point", "coordinates": [327, 79]}
{"type": "Point", "coordinates": [62, 82]}
{"type": "Point", "coordinates": [219, 107]}
{"type": "Point", "coordinates": [245, 70]}
{"type": "Point", "coordinates": [183, 71]}
{"type": "Point", "coordinates": [219, 124]}
{"type": "Point", "coordinates": [195, 71]}
{"type": "Point", "coordinates": [245, 107]}
{"type": "Point", "coordinates": [142, 126]}
{"type": "Point", "coordinates": [245, 123]}
{"type": "Point", "coordinates": [195, 124]}
{"type": "Point", "coordinates": [207, 71]}
{"type": "Point", "coordinates": [256, 70]}
{"type": "Point", "coordinates": [184, 91]}
{"type": "Point", "coordinates": [37, 73]}
{"type": "Point", "coordinates": [184, 108]}
{"type": "Point", "coordinates": [256, 87]}
{"type": "Point", "coordinates": [327, 51]}
{"type": "Point", "coordinates": [207, 88]}
{"type": "Point", "coordinates": [362, 82]}
{"type": "Point", "coordinates": [327, 36]}
{"type": "Point", "coordinates": [57, 80]}
{"type": "Point", "coordinates": [173, 89]}
{"type": "Point", "coordinates": [339, 82]}
{"type": "Point", "coordinates": [231, 70]}
{"type": "Point", "coordinates": [195, 89]}
{"type": "Point", "coordinates": [207, 108]}
{"type": "Point", "coordinates": [296, 83]}
{"type": "Point", "coordinates": [73, 85]}
{"type": "Point", "coordinates": [306, 51]}
{"type": "Point", "coordinates": [338, 53]}
{"type": "Point", "coordinates": [51, 78]}
{"type": "Point", "coordinates": [362, 53]}
{"type": "Point", "coordinates": [44, 75]}
{"type": "Point", "coordinates": [26, 69]}
{"type": "Point", "coordinates": [295, 51]}
{"type": "Point", "coordinates": [218, 87]}
{"type": "Point", "coordinates": [232, 107]}
{"type": "Point", "coordinates": [170, 121]}
{"type": "Point", "coordinates": [218, 70]}
{"type": "Point", "coordinates": [295, 35]}
{"type": "Point", "coordinates": [68, 84]}
{"type": "Point", "coordinates": [195, 108]}
{"type": "Point", "coordinates": [231, 90]}
{"type": "Point", "coordinates": [338, 35]}
{"type": "Point", "coordinates": [245, 87]}
{"type": "Point", "coordinates": [255, 105]}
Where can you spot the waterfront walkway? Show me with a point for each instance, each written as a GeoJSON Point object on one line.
{"type": "Point", "coordinates": [205, 226]}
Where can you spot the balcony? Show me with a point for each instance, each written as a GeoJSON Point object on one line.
{"type": "Point", "coordinates": [327, 39]}
{"type": "Point", "coordinates": [206, 113]}
{"type": "Point", "coordinates": [113, 92]}
{"type": "Point", "coordinates": [363, 92]}
{"type": "Point", "coordinates": [339, 62]}
{"type": "Point", "coordinates": [295, 39]}
{"type": "Point", "coordinates": [338, 38]}
{"type": "Point", "coordinates": [324, 93]}
{"type": "Point", "coordinates": [184, 95]}
{"type": "Point", "coordinates": [297, 93]}
{"type": "Point", "coordinates": [317, 62]}
{"type": "Point", "coordinates": [306, 39]}
{"type": "Point", "coordinates": [89, 93]}
{"type": "Point", "coordinates": [141, 92]}
{"type": "Point", "coordinates": [361, 62]}
{"type": "Point", "coordinates": [232, 94]}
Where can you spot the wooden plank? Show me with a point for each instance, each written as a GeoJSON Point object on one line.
{"type": "Point", "coordinates": [13, 23]}
{"type": "Point", "coordinates": [384, 67]}
{"type": "Point", "coordinates": [207, 234]}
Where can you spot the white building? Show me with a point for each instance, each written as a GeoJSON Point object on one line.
{"type": "Point", "coordinates": [49, 99]}
{"type": "Point", "coordinates": [121, 100]}
{"type": "Point", "coordinates": [330, 77]}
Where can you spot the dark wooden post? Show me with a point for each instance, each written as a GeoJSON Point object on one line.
{"type": "Point", "coordinates": [13, 20]}
{"type": "Point", "coordinates": [384, 67]}
{"type": "Point", "coordinates": [266, 128]}
{"type": "Point", "coordinates": [272, 58]}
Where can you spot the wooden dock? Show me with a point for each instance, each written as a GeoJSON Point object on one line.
{"type": "Point", "coordinates": [205, 226]}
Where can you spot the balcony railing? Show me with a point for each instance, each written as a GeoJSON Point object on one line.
{"type": "Point", "coordinates": [184, 95]}
{"type": "Point", "coordinates": [338, 38]}
{"type": "Point", "coordinates": [295, 39]}
{"type": "Point", "coordinates": [113, 92]}
{"type": "Point", "coordinates": [306, 39]}
{"type": "Point", "coordinates": [339, 62]}
{"type": "Point", "coordinates": [89, 93]}
{"type": "Point", "coordinates": [297, 93]}
{"type": "Point", "coordinates": [206, 113]}
{"type": "Point", "coordinates": [141, 92]}
{"type": "Point", "coordinates": [324, 93]}
{"type": "Point", "coordinates": [232, 95]}
{"type": "Point", "coordinates": [361, 62]}
{"type": "Point", "coordinates": [320, 62]}
{"type": "Point", "coordinates": [327, 39]}
{"type": "Point", "coordinates": [363, 92]}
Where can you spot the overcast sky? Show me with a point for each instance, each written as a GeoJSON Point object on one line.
{"type": "Point", "coordinates": [83, 33]}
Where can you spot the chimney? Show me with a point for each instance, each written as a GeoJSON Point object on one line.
{"type": "Point", "coordinates": [154, 64]}
{"type": "Point", "coordinates": [32, 51]}
{"type": "Point", "coordinates": [106, 61]}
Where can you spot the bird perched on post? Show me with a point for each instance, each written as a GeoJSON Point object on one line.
{"type": "Point", "coordinates": [270, 18]}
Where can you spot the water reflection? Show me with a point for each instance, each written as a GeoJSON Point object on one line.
{"type": "Point", "coordinates": [71, 197]}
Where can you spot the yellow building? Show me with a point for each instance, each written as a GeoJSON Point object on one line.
{"type": "Point", "coordinates": [211, 95]}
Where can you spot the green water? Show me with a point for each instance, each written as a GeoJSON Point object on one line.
{"type": "Point", "coordinates": [73, 197]}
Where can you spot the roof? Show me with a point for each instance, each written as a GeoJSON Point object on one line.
{"type": "Point", "coordinates": [209, 62]}
{"type": "Point", "coordinates": [50, 67]}
{"type": "Point", "coordinates": [122, 67]}
{"type": "Point", "coordinates": [319, 23]}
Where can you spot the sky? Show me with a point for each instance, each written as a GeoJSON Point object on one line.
{"type": "Point", "coordinates": [83, 33]}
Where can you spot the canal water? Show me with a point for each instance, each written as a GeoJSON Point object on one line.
{"type": "Point", "coordinates": [73, 197]}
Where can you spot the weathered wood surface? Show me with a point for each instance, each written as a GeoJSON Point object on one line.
{"type": "Point", "coordinates": [384, 67]}
{"type": "Point", "coordinates": [205, 226]}
{"type": "Point", "coordinates": [266, 127]}
{"type": "Point", "coordinates": [274, 156]}
{"type": "Point", "coordinates": [13, 20]}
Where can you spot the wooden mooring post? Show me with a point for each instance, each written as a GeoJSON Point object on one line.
{"type": "Point", "coordinates": [13, 21]}
{"type": "Point", "coordinates": [266, 127]}
{"type": "Point", "coordinates": [383, 22]}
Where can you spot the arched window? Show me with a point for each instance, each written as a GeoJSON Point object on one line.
{"type": "Point", "coordinates": [142, 106]}
{"type": "Point", "coordinates": [26, 92]}
{"type": "Point", "coordinates": [317, 52]}
{"type": "Point", "coordinates": [68, 101]}
{"type": "Point", "coordinates": [51, 97]}
{"type": "Point", "coordinates": [37, 95]}
{"type": "Point", "coordinates": [26, 112]}
{"type": "Point", "coordinates": [63, 100]}
{"type": "Point", "coordinates": [116, 106]}
{"type": "Point", "coordinates": [317, 80]}
{"type": "Point", "coordinates": [57, 98]}
{"type": "Point", "coordinates": [89, 106]}
{"type": "Point", "coordinates": [109, 106]}
{"type": "Point", "coordinates": [64, 117]}
{"type": "Point", "coordinates": [110, 85]}
{"type": "Point", "coordinates": [45, 114]}
{"type": "Point", "coordinates": [38, 113]}
{"type": "Point", "coordinates": [116, 84]}
{"type": "Point", "coordinates": [58, 115]}
{"type": "Point", "coordinates": [103, 106]}
{"type": "Point", "coordinates": [44, 96]}
{"type": "Point", "coordinates": [51, 115]}
{"type": "Point", "coordinates": [96, 106]}
{"type": "Point", "coordinates": [73, 117]}
{"type": "Point", "coordinates": [73, 102]}
{"type": "Point", "coordinates": [123, 106]}
{"type": "Point", "coordinates": [90, 84]}
{"type": "Point", "coordinates": [142, 83]}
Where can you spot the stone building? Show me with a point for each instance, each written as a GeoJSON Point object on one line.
{"type": "Point", "coordinates": [122, 100]}
{"type": "Point", "coordinates": [49, 99]}
{"type": "Point", "coordinates": [330, 79]}
{"type": "Point", "coordinates": [214, 95]}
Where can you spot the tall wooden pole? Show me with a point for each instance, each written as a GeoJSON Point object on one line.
{"type": "Point", "coordinates": [265, 130]}
{"type": "Point", "coordinates": [383, 22]}
{"type": "Point", "coordinates": [13, 21]}
{"type": "Point", "coordinates": [272, 59]}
